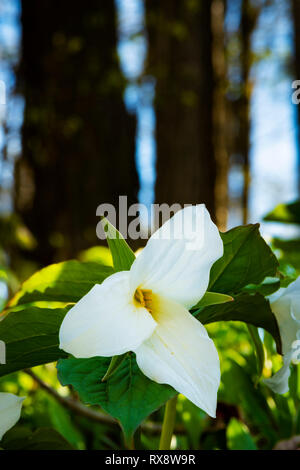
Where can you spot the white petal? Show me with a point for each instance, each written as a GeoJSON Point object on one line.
{"type": "Point", "coordinates": [106, 322]}
{"type": "Point", "coordinates": [286, 306]}
{"type": "Point", "coordinates": [181, 354]}
{"type": "Point", "coordinates": [178, 257]}
{"type": "Point", "coordinates": [279, 382]}
{"type": "Point", "coordinates": [10, 411]}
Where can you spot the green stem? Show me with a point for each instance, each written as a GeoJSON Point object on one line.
{"type": "Point", "coordinates": [168, 424]}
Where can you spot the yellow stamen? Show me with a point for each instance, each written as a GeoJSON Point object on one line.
{"type": "Point", "coordinates": [144, 298]}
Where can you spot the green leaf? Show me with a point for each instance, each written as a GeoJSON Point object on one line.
{"type": "Point", "coordinates": [237, 389]}
{"type": "Point", "coordinates": [31, 338]}
{"type": "Point", "coordinates": [96, 254]}
{"type": "Point", "coordinates": [253, 309]}
{"type": "Point", "coordinates": [60, 419]}
{"type": "Point", "coordinates": [41, 439]}
{"type": "Point", "coordinates": [63, 282]}
{"type": "Point", "coordinates": [247, 260]}
{"type": "Point", "coordinates": [115, 362]}
{"type": "Point", "coordinates": [122, 255]}
{"type": "Point", "coordinates": [212, 298]}
{"type": "Point", "coordinates": [267, 287]}
{"type": "Point", "coordinates": [260, 354]}
{"type": "Point", "coordinates": [128, 395]}
{"type": "Point", "coordinates": [285, 213]}
{"type": "Point", "coordinates": [238, 436]}
{"type": "Point", "coordinates": [285, 416]}
{"type": "Point", "coordinates": [289, 251]}
{"type": "Point", "coordinates": [287, 246]}
{"type": "Point", "coordinates": [194, 419]}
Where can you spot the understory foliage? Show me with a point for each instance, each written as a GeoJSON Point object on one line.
{"type": "Point", "coordinates": [69, 406]}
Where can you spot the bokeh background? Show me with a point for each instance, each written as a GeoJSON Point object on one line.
{"type": "Point", "coordinates": [184, 101]}
{"type": "Point", "coordinates": [163, 102]}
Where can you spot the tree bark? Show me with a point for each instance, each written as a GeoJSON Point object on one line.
{"type": "Point", "coordinates": [220, 113]}
{"type": "Point", "coordinates": [248, 21]}
{"type": "Point", "coordinates": [241, 107]}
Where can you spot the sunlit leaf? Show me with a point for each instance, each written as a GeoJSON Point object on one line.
{"type": "Point", "coordinates": [212, 298]}
{"type": "Point", "coordinates": [238, 436]}
{"type": "Point", "coordinates": [63, 282]}
{"type": "Point", "coordinates": [96, 254]}
{"type": "Point", "coordinates": [285, 213]}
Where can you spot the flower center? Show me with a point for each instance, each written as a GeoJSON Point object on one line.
{"type": "Point", "coordinates": [144, 298]}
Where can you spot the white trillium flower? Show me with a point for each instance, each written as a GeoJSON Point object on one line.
{"type": "Point", "coordinates": [10, 411]}
{"type": "Point", "coordinates": [146, 310]}
{"type": "Point", "coordinates": [285, 305]}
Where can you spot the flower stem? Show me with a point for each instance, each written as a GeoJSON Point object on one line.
{"type": "Point", "coordinates": [168, 424]}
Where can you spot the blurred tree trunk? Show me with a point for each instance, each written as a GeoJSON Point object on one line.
{"type": "Point", "coordinates": [220, 112]}
{"type": "Point", "coordinates": [78, 139]}
{"type": "Point", "coordinates": [296, 21]}
{"type": "Point", "coordinates": [249, 16]}
{"type": "Point", "coordinates": [180, 59]}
